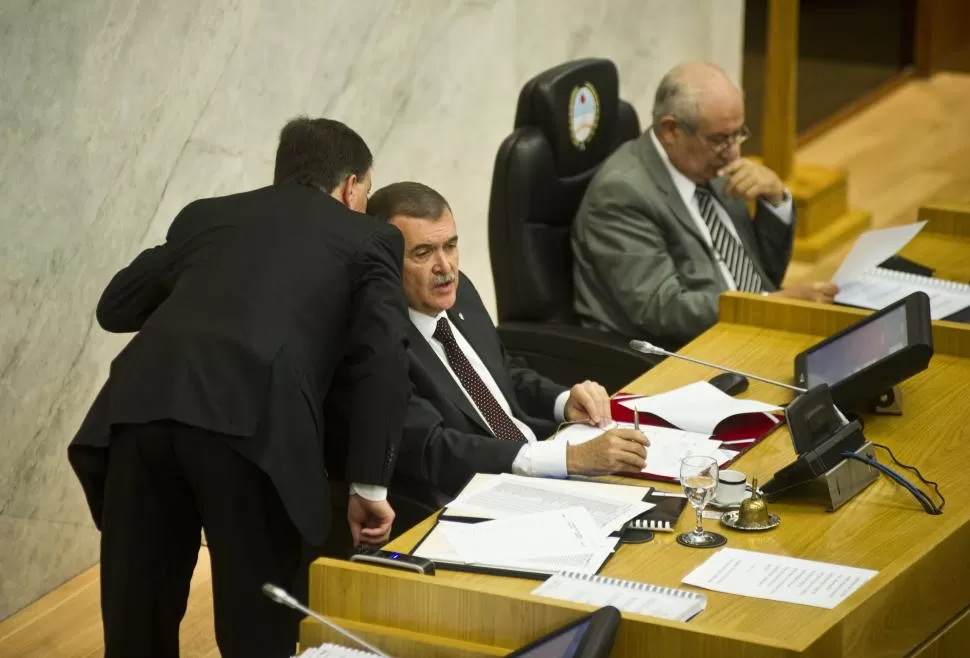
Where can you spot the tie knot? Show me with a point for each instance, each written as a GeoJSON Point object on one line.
{"type": "Point", "coordinates": [442, 331]}
{"type": "Point", "coordinates": [703, 191]}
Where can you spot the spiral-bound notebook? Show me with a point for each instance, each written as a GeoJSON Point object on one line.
{"type": "Point", "coordinates": [879, 287]}
{"type": "Point", "coordinates": [626, 595]}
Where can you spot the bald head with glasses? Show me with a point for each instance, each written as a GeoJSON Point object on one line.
{"type": "Point", "coordinates": [698, 118]}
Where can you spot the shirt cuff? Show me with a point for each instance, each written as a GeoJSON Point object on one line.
{"type": "Point", "coordinates": [545, 459]}
{"type": "Point", "coordinates": [559, 409]}
{"type": "Point", "coordinates": [783, 210]}
{"type": "Point", "coordinates": [372, 492]}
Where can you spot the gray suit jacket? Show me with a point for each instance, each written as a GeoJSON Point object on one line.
{"type": "Point", "coordinates": [641, 268]}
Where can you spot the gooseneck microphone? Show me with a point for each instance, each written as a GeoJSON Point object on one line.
{"type": "Point", "coordinates": [281, 596]}
{"type": "Point", "coordinates": [649, 348]}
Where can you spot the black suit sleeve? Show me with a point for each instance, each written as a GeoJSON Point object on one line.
{"type": "Point", "coordinates": [376, 362]}
{"type": "Point", "coordinates": [775, 239]}
{"type": "Point", "coordinates": [534, 393]}
{"type": "Point", "coordinates": [136, 291]}
{"type": "Point", "coordinates": [446, 458]}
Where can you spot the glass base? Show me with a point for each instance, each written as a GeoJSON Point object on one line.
{"type": "Point", "coordinates": [704, 540]}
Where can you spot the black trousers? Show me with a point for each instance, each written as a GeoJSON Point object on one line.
{"type": "Point", "coordinates": [165, 482]}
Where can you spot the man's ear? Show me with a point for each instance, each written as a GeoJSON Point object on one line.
{"type": "Point", "coordinates": [348, 190]}
{"type": "Point", "coordinates": [666, 129]}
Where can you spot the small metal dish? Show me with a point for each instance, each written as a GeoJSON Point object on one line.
{"type": "Point", "coordinates": [730, 519]}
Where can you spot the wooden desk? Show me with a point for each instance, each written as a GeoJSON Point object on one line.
{"type": "Point", "coordinates": [919, 601]}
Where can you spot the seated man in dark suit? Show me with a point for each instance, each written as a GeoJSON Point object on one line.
{"type": "Point", "coordinates": [471, 410]}
{"type": "Point", "coordinates": [664, 228]}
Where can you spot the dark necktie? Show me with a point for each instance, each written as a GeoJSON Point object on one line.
{"type": "Point", "coordinates": [732, 252]}
{"type": "Point", "coordinates": [502, 426]}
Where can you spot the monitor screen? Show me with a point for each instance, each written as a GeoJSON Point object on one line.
{"type": "Point", "coordinates": [561, 645]}
{"type": "Point", "coordinates": [857, 349]}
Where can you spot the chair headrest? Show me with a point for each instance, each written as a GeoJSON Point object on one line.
{"type": "Point", "coordinates": [575, 106]}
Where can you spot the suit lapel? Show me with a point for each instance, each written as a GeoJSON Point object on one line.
{"type": "Point", "coordinates": [443, 379]}
{"type": "Point", "coordinates": [659, 175]}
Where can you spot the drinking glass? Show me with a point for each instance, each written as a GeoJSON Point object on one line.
{"type": "Point", "coordinates": [698, 477]}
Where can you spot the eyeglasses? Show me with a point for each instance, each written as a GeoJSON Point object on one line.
{"type": "Point", "coordinates": [720, 143]}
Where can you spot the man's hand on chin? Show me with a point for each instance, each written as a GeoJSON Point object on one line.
{"type": "Point", "coordinates": [589, 402]}
{"type": "Point", "coordinates": [749, 180]}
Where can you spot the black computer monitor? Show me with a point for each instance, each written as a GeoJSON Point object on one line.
{"type": "Point", "coordinates": [590, 636]}
{"type": "Point", "coordinates": [862, 362]}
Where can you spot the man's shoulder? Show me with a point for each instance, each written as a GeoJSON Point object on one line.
{"type": "Point", "coordinates": [624, 175]}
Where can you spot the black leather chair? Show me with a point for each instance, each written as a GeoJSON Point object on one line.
{"type": "Point", "coordinates": [541, 173]}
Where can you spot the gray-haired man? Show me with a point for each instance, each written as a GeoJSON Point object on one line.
{"type": "Point", "coordinates": [664, 227]}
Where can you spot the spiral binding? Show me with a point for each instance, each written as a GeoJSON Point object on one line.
{"type": "Point", "coordinates": [629, 584]}
{"type": "Point", "coordinates": [650, 524]}
{"type": "Point", "coordinates": [928, 281]}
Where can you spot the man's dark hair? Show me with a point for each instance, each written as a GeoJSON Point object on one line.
{"type": "Point", "coordinates": [320, 153]}
{"type": "Point", "coordinates": [406, 198]}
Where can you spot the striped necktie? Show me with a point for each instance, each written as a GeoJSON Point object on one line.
{"type": "Point", "coordinates": [731, 251]}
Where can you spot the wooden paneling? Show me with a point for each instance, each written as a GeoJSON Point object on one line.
{"type": "Point", "coordinates": [781, 74]}
{"type": "Point", "coordinates": [942, 34]}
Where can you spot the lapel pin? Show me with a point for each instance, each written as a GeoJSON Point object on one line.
{"type": "Point", "coordinates": [461, 316]}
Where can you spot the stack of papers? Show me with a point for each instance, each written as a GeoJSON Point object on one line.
{"type": "Point", "coordinates": [535, 526]}
{"type": "Point", "coordinates": [335, 651]}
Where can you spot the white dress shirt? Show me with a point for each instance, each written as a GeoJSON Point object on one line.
{"type": "Point", "coordinates": [536, 458]}
{"type": "Point", "coordinates": [686, 187]}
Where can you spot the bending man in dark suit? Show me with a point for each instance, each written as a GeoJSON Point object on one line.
{"type": "Point", "coordinates": [471, 410]}
{"type": "Point", "coordinates": [664, 228]}
{"type": "Point", "coordinates": [212, 414]}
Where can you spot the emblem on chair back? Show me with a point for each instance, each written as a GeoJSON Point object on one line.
{"type": "Point", "coordinates": [584, 114]}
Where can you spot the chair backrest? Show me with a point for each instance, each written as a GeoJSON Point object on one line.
{"type": "Point", "coordinates": [568, 121]}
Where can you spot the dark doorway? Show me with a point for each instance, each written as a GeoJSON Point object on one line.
{"type": "Point", "coordinates": [847, 49]}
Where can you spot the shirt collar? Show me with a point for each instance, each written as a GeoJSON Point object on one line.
{"type": "Point", "coordinates": [425, 324]}
{"type": "Point", "coordinates": [685, 186]}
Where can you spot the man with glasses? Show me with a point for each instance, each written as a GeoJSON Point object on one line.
{"type": "Point", "coordinates": [664, 226]}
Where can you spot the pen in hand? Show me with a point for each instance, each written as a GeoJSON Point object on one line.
{"type": "Point", "coordinates": [636, 420]}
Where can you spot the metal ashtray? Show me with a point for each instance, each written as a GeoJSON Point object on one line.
{"type": "Point", "coordinates": [730, 519]}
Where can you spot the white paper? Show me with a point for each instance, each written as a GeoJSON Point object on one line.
{"type": "Point", "coordinates": [875, 290]}
{"type": "Point", "coordinates": [624, 595]}
{"type": "Point", "coordinates": [437, 547]}
{"type": "Point", "coordinates": [507, 496]}
{"type": "Point", "coordinates": [581, 433]}
{"type": "Point", "coordinates": [778, 578]}
{"type": "Point", "coordinates": [668, 447]}
{"type": "Point", "coordinates": [697, 407]}
{"type": "Point", "coordinates": [335, 651]}
{"type": "Point", "coordinates": [546, 534]}
{"type": "Point", "coordinates": [872, 248]}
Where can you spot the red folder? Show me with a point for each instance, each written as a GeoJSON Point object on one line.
{"type": "Point", "coordinates": [754, 426]}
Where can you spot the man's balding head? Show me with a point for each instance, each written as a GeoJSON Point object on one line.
{"type": "Point", "coordinates": [698, 114]}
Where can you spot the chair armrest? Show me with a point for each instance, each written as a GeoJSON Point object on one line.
{"type": "Point", "coordinates": [568, 353]}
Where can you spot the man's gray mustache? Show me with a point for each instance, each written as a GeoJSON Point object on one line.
{"type": "Point", "coordinates": [442, 279]}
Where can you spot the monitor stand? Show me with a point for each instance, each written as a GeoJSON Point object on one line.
{"type": "Point", "coordinates": [889, 403]}
{"type": "Point", "coordinates": [841, 483]}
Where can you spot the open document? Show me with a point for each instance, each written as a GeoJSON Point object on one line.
{"type": "Point", "coordinates": [862, 283]}
{"type": "Point", "coordinates": [699, 407]}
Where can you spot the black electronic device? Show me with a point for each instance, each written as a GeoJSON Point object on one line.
{"type": "Point", "coordinates": [821, 437]}
{"type": "Point", "coordinates": [862, 363]}
{"type": "Point", "coordinates": [731, 383]}
{"type": "Point", "coordinates": [394, 560]}
{"type": "Point", "coordinates": [590, 636]}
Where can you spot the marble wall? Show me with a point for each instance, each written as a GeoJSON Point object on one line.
{"type": "Point", "coordinates": [115, 113]}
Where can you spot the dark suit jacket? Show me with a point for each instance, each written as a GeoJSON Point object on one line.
{"type": "Point", "coordinates": [244, 316]}
{"type": "Point", "coordinates": [641, 267]}
{"type": "Point", "coordinates": [445, 440]}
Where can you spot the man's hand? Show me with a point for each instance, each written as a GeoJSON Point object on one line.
{"type": "Point", "coordinates": [749, 180]}
{"type": "Point", "coordinates": [616, 451]}
{"type": "Point", "coordinates": [370, 520]}
{"type": "Point", "coordinates": [590, 402]}
{"type": "Point", "coordinates": [818, 291]}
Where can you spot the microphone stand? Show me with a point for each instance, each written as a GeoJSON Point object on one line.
{"type": "Point", "coordinates": [281, 596]}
